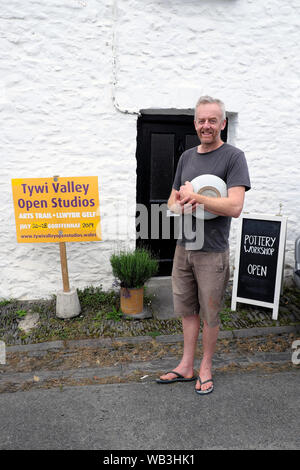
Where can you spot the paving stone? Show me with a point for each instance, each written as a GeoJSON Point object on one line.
{"type": "Point", "coordinates": [30, 321]}
{"type": "Point", "coordinates": [82, 343]}
{"type": "Point", "coordinates": [259, 357]}
{"type": "Point", "coordinates": [37, 346]}
{"type": "Point", "coordinates": [169, 338]}
{"type": "Point", "coordinates": [133, 339]}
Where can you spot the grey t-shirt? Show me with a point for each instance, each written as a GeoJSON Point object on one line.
{"type": "Point", "coordinates": [227, 162]}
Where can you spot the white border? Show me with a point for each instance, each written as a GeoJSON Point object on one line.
{"type": "Point", "coordinates": [279, 268]}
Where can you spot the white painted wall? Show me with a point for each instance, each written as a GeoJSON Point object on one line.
{"type": "Point", "coordinates": [75, 72]}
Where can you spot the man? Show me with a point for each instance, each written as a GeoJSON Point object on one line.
{"type": "Point", "coordinates": [200, 276]}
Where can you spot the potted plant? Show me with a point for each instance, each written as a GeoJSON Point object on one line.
{"type": "Point", "coordinates": [133, 269]}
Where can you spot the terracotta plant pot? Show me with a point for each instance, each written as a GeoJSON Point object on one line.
{"type": "Point", "coordinates": [131, 300]}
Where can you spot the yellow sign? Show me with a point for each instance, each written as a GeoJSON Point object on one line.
{"type": "Point", "coordinates": [57, 209]}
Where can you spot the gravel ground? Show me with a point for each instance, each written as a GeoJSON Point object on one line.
{"type": "Point", "coordinates": [100, 318]}
{"type": "Point", "coordinates": [122, 361]}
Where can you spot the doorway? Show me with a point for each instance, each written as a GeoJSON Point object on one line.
{"type": "Point", "coordinates": [161, 139]}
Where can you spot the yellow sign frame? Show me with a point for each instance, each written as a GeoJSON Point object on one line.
{"type": "Point", "coordinates": [57, 209]}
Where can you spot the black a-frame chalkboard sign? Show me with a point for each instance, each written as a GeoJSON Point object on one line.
{"type": "Point", "coordinates": [259, 261]}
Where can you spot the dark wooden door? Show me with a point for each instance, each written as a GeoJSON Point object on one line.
{"type": "Point", "coordinates": [161, 140]}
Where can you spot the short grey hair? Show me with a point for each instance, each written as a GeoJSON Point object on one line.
{"type": "Point", "coordinates": [208, 99]}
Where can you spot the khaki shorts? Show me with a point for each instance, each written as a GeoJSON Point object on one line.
{"type": "Point", "coordinates": [199, 280]}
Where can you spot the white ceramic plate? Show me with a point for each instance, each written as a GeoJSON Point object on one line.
{"type": "Point", "coordinates": [208, 185]}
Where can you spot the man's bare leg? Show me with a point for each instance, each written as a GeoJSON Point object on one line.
{"type": "Point", "coordinates": [191, 326]}
{"type": "Point", "coordinates": [209, 341]}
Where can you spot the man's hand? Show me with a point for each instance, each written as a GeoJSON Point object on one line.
{"type": "Point", "coordinates": [186, 198]}
{"type": "Point", "coordinates": [176, 207]}
{"type": "Point", "coordinates": [181, 206]}
{"type": "Point", "coordinates": [186, 191]}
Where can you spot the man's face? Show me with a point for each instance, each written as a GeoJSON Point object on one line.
{"type": "Point", "coordinates": [209, 123]}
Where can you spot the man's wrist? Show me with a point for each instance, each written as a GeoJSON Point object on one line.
{"type": "Point", "coordinates": [176, 208]}
{"type": "Point", "coordinates": [197, 197]}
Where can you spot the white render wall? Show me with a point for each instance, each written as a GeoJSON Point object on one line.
{"type": "Point", "coordinates": [75, 73]}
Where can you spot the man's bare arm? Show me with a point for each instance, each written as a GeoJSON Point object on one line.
{"type": "Point", "coordinates": [231, 205]}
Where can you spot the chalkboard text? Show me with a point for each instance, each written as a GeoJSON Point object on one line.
{"type": "Point", "coordinates": [257, 270]}
{"type": "Point", "coordinates": [258, 244]}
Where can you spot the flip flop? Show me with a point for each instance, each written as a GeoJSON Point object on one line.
{"type": "Point", "coordinates": [205, 392]}
{"type": "Point", "coordinates": [179, 378]}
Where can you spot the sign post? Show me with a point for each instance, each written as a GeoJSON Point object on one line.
{"type": "Point", "coordinates": [58, 210]}
{"type": "Point", "coordinates": [64, 266]}
{"type": "Point", "coordinates": [259, 261]}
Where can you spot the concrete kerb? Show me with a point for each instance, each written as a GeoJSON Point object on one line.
{"type": "Point", "coordinates": [167, 339]}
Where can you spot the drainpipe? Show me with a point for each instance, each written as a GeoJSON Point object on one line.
{"type": "Point", "coordinates": [115, 62]}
